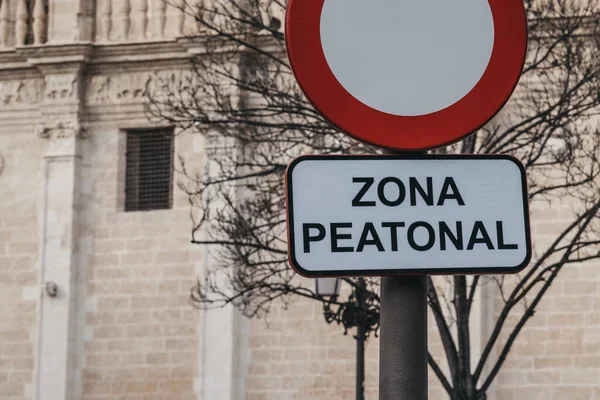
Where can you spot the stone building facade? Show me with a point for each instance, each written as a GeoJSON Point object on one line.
{"type": "Point", "coordinates": [94, 299]}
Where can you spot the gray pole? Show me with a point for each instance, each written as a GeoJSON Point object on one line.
{"type": "Point", "coordinates": [403, 343]}
{"type": "Point", "coordinates": [360, 362]}
{"type": "Point", "coordinates": [360, 339]}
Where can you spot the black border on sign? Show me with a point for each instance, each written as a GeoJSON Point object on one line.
{"type": "Point", "coordinates": [404, 271]}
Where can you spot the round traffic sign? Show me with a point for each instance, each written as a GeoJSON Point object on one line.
{"type": "Point", "coordinates": [407, 74]}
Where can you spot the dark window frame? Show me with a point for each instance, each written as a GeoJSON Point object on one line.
{"type": "Point", "coordinates": [149, 169]}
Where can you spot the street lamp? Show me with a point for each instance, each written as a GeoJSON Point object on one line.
{"type": "Point", "coordinates": [327, 287]}
{"type": "Point", "coordinates": [360, 311]}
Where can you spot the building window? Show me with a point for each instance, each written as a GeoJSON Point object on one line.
{"type": "Point", "coordinates": [149, 170]}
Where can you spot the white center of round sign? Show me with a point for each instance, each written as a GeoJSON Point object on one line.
{"type": "Point", "coordinates": [410, 57]}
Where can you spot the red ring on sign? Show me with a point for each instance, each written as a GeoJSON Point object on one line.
{"type": "Point", "coordinates": [440, 128]}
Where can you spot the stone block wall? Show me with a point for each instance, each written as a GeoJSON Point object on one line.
{"type": "Point", "coordinates": [142, 334]}
{"type": "Point", "coordinates": [19, 190]}
{"type": "Point", "coordinates": [136, 333]}
{"type": "Point", "coordinates": [557, 355]}
{"type": "Point", "coordinates": [295, 354]}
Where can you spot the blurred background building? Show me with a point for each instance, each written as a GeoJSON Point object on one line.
{"type": "Point", "coordinates": [95, 261]}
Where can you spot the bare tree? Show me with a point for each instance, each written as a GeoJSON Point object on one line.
{"type": "Point", "coordinates": [242, 97]}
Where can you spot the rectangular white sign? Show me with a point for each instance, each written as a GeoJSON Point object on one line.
{"type": "Point", "coordinates": [385, 215]}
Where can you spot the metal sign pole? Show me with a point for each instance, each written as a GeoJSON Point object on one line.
{"type": "Point", "coordinates": [403, 343]}
{"type": "Point", "coordinates": [360, 339]}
